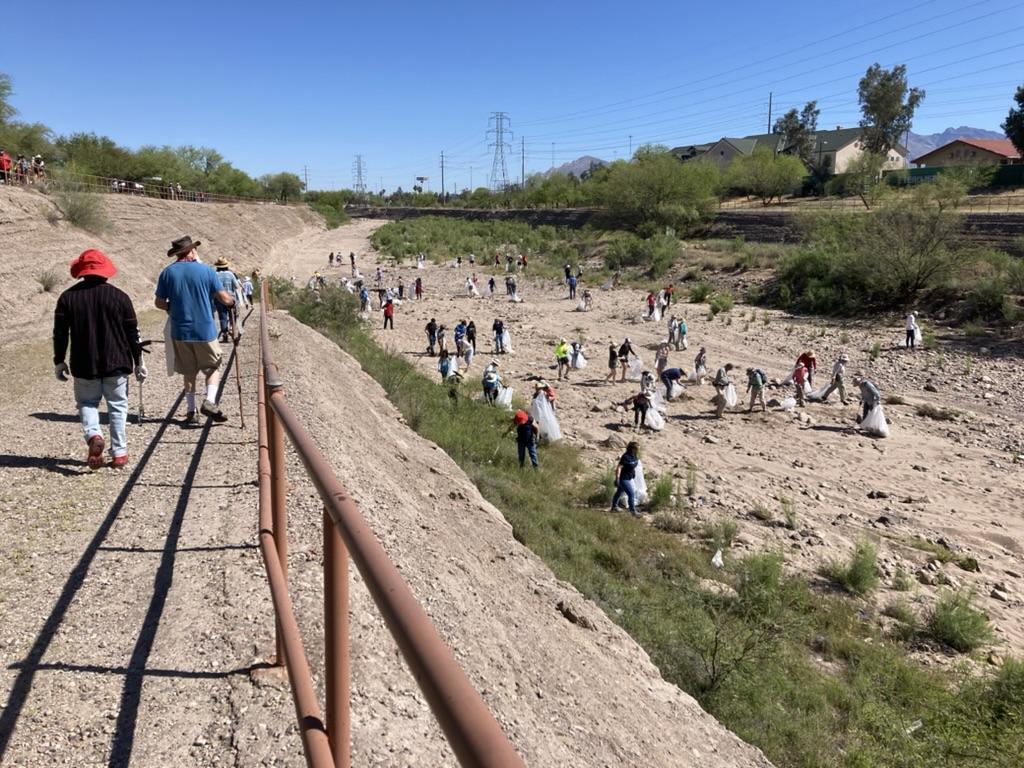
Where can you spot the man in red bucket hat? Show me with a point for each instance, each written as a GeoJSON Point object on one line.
{"type": "Point", "coordinates": [99, 321]}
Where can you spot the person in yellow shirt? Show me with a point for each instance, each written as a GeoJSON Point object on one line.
{"type": "Point", "coordinates": [562, 357]}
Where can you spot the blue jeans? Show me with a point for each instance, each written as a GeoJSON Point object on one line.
{"type": "Point", "coordinates": [224, 314]}
{"type": "Point", "coordinates": [625, 487]}
{"type": "Point", "coordinates": [525, 448]}
{"type": "Point", "coordinates": [114, 389]}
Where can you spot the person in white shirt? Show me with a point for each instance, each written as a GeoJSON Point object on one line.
{"type": "Point", "coordinates": [911, 331]}
{"type": "Point", "coordinates": [838, 372]}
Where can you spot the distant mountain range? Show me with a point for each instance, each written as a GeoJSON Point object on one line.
{"type": "Point", "coordinates": [578, 167]}
{"type": "Point", "coordinates": [920, 144]}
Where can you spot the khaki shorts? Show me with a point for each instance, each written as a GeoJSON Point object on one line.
{"type": "Point", "coordinates": [191, 357]}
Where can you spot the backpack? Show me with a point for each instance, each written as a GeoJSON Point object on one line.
{"type": "Point", "coordinates": [761, 376]}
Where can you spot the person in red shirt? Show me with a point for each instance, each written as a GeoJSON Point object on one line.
{"type": "Point", "coordinates": [810, 362]}
{"type": "Point", "coordinates": [799, 377]}
{"type": "Point", "coordinates": [389, 315]}
{"type": "Point", "coordinates": [650, 304]}
{"type": "Point", "coordinates": [668, 295]}
{"type": "Point", "coordinates": [5, 166]}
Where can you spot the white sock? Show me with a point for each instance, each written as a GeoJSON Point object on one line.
{"type": "Point", "coordinates": [211, 392]}
{"type": "Point", "coordinates": [190, 398]}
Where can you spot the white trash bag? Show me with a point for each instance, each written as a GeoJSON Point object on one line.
{"type": "Point", "coordinates": [579, 362]}
{"type": "Point", "coordinates": [698, 374]}
{"type": "Point", "coordinates": [819, 394]}
{"type": "Point", "coordinates": [917, 335]}
{"type": "Point", "coordinates": [640, 484]}
{"type": "Point", "coordinates": [730, 396]}
{"type": "Point", "coordinates": [515, 298]}
{"type": "Point", "coordinates": [582, 306]}
{"type": "Point", "coordinates": [636, 368]}
{"type": "Point", "coordinates": [657, 402]}
{"type": "Point", "coordinates": [544, 416]}
{"type": "Point", "coordinates": [504, 398]}
{"type": "Point", "coordinates": [657, 314]}
{"type": "Point", "coordinates": [788, 404]}
{"type": "Point", "coordinates": [655, 420]}
{"type": "Point", "coordinates": [506, 340]}
{"type": "Point", "coordinates": [874, 423]}
{"type": "Point", "coordinates": [677, 389]}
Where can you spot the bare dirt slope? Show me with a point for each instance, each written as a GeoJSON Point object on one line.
{"type": "Point", "coordinates": [958, 481]}
{"type": "Point", "coordinates": [569, 687]}
{"type": "Point", "coordinates": [141, 230]}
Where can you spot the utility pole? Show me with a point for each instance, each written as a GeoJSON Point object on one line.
{"type": "Point", "coordinates": [769, 111]}
{"type": "Point", "coordinates": [502, 133]}
{"type": "Point", "coordinates": [442, 178]}
{"type": "Point", "coordinates": [522, 156]}
{"type": "Point", "coordinates": [631, 145]}
{"type": "Point", "coordinates": [305, 175]}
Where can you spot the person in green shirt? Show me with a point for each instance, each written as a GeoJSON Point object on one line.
{"type": "Point", "coordinates": [562, 358]}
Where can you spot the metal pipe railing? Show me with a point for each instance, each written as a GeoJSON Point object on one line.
{"type": "Point", "coordinates": [471, 730]}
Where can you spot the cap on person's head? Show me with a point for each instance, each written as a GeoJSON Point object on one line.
{"type": "Point", "coordinates": [562, 340]}
{"type": "Point", "coordinates": [182, 246]}
{"type": "Point", "coordinates": [92, 263]}
{"type": "Point", "coordinates": [221, 263]}
{"type": "Point", "coordinates": [844, 358]}
{"type": "Point", "coordinates": [495, 363]}
{"type": "Point", "coordinates": [810, 354]}
{"type": "Point", "coordinates": [521, 417]}
{"type": "Point", "coordinates": [627, 341]}
{"type": "Point", "coordinates": [750, 370]}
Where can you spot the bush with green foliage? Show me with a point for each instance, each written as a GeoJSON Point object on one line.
{"type": "Point", "coordinates": [766, 175]}
{"type": "Point", "coordinates": [859, 575]}
{"type": "Point", "coordinates": [700, 292]}
{"type": "Point", "coordinates": [84, 210]}
{"type": "Point", "coordinates": [657, 253]}
{"type": "Point", "coordinates": [957, 623]}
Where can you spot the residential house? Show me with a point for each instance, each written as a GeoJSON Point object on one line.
{"type": "Point", "coordinates": [834, 150]}
{"type": "Point", "coordinates": [970, 152]}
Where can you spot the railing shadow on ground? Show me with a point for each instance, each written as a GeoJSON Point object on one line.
{"type": "Point", "coordinates": [30, 665]}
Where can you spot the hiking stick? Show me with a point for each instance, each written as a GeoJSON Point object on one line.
{"type": "Point", "coordinates": [142, 409]}
{"type": "Point", "coordinates": [238, 385]}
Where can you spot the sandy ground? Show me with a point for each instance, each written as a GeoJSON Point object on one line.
{"type": "Point", "coordinates": [957, 481]}
{"type": "Point", "coordinates": [135, 616]}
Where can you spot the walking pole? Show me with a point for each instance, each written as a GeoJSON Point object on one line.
{"type": "Point", "coordinates": [142, 409]}
{"type": "Point", "coordinates": [238, 385]}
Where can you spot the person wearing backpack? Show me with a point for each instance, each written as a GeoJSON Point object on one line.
{"type": "Point", "coordinates": [756, 380]}
{"type": "Point", "coordinates": [444, 365]}
{"type": "Point", "coordinates": [838, 372]}
{"type": "Point", "coordinates": [491, 382]}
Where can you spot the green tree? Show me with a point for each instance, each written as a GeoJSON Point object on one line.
{"type": "Point", "coordinates": [798, 128]}
{"type": "Point", "coordinates": [657, 191]}
{"type": "Point", "coordinates": [1013, 126]}
{"type": "Point", "coordinates": [7, 111]}
{"type": "Point", "coordinates": [864, 178]}
{"type": "Point", "coordinates": [281, 186]}
{"type": "Point", "coordinates": [766, 175]}
{"type": "Point", "coordinates": [888, 105]}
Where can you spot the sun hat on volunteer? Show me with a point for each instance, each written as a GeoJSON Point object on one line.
{"type": "Point", "coordinates": [92, 263]}
{"type": "Point", "coordinates": [521, 417]}
{"type": "Point", "coordinates": [222, 263]}
{"type": "Point", "coordinates": [183, 245]}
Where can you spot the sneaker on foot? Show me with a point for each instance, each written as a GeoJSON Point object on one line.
{"type": "Point", "coordinates": [213, 411]}
{"type": "Point", "coordinates": [192, 418]}
{"type": "Point", "coordinates": [95, 458]}
{"type": "Point", "coordinates": [119, 461]}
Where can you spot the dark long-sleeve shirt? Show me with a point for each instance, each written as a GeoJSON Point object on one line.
{"type": "Point", "coordinates": [99, 320]}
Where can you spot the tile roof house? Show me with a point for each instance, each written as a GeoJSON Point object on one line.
{"type": "Point", "coordinates": [833, 149]}
{"type": "Point", "coordinates": [969, 152]}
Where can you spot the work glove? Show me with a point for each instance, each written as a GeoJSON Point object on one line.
{"type": "Point", "coordinates": [141, 373]}
{"type": "Point", "coordinates": [61, 371]}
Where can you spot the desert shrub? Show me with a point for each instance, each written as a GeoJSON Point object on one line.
{"type": "Point", "coordinates": [598, 491]}
{"type": "Point", "coordinates": [700, 292]}
{"type": "Point", "coordinates": [987, 300]}
{"type": "Point", "coordinates": [721, 301]}
{"type": "Point", "coordinates": [788, 512]}
{"type": "Point", "coordinates": [938, 413]}
{"type": "Point", "coordinates": [859, 575]}
{"type": "Point", "coordinates": [661, 493]}
{"type": "Point", "coordinates": [762, 511]}
{"type": "Point", "coordinates": [655, 255]}
{"type": "Point", "coordinates": [82, 209]}
{"type": "Point", "coordinates": [720, 533]}
{"type": "Point", "coordinates": [957, 623]}
{"type": "Point", "coordinates": [671, 521]}
{"type": "Point", "coordinates": [48, 280]}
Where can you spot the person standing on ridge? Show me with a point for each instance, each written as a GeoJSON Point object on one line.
{"type": "Point", "coordinates": [100, 323]}
{"type": "Point", "coordinates": [756, 381]}
{"type": "Point", "coordinates": [721, 384]}
{"type": "Point", "coordinates": [247, 291]}
{"type": "Point", "coordinates": [838, 373]}
{"type": "Point", "coordinates": [431, 331]}
{"type": "Point", "coordinates": [562, 358]}
{"type": "Point", "coordinates": [625, 350]}
{"type": "Point", "coordinates": [389, 315]}
{"type": "Point", "coordinates": [912, 330]}
{"type": "Point", "coordinates": [184, 290]}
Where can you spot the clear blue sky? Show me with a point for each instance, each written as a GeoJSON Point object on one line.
{"type": "Point", "coordinates": [287, 85]}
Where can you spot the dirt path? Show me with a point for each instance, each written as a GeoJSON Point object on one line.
{"type": "Point", "coordinates": [956, 481]}
{"type": "Point", "coordinates": [134, 602]}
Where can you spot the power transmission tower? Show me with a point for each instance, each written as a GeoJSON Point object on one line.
{"type": "Point", "coordinates": [502, 133]}
{"type": "Point", "coordinates": [359, 175]}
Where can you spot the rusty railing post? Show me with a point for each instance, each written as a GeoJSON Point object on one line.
{"type": "Point", "coordinates": [336, 658]}
{"type": "Point", "coordinates": [279, 495]}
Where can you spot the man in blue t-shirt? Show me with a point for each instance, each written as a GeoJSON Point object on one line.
{"type": "Point", "coordinates": [185, 290]}
{"type": "Point", "coordinates": [230, 284]}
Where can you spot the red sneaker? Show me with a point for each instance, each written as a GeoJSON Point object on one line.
{"type": "Point", "coordinates": [95, 459]}
{"type": "Point", "coordinates": [119, 461]}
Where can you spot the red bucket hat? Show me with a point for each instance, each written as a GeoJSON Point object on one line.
{"type": "Point", "coordinates": [521, 417]}
{"type": "Point", "coordinates": [92, 263]}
